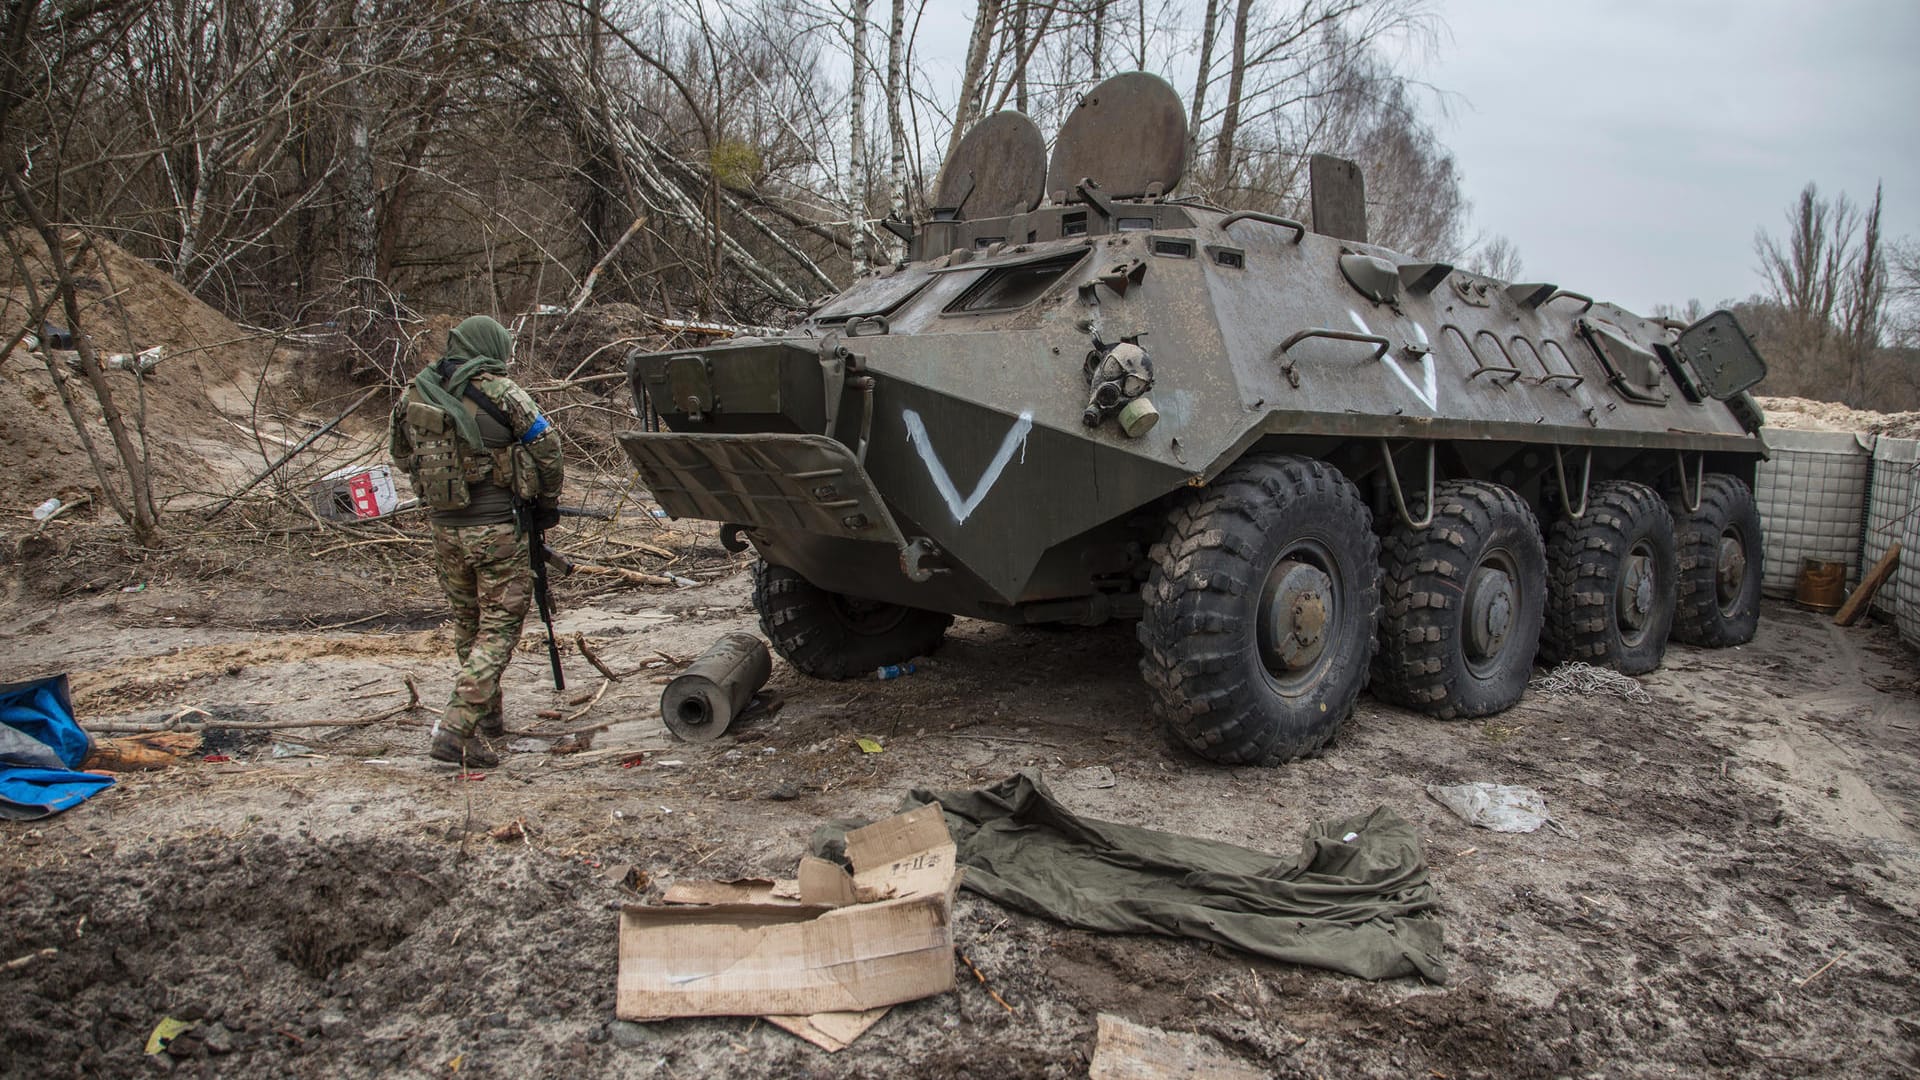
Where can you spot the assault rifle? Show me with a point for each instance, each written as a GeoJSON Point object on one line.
{"type": "Point", "coordinates": [526, 514]}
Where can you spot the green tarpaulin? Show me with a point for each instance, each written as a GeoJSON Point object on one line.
{"type": "Point", "coordinates": [1357, 900]}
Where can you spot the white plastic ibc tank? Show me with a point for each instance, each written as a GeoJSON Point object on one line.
{"type": "Point", "coordinates": [1812, 496]}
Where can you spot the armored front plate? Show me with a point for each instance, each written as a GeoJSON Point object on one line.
{"type": "Point", "coordinates": [805, 483]}
{"type": "Point", "coordinates": [1723, 357]}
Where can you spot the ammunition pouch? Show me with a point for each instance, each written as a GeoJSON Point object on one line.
{"type": "Point", "coordinates": [442, 465]}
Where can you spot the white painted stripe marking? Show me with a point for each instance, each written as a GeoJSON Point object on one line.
{"type": "Point", "coordinates": [963, 508]}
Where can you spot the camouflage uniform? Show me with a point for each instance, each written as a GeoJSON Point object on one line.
{"type": "Point", "coordinates": [480, 554]}
{"type": "Point", "coordinates": [483, 569]}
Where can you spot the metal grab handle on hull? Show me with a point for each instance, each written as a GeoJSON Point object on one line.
{"type": "Point", "coordinates": [1380, 344]}
{"type": "Point", "coordinates": [1299, 230]}
{"type": "Point", "coordinates": [1586, 476]}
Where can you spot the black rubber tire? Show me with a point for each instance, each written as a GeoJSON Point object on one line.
{"type": "Point", "coordinates": [1424, 660]}
{"type": "Point", "coordinates": [829, 636]}
{"type": "Point", "coordinates": [1201, 628]}
{"type": "Point", "coordinates": [1704, 614]}
{"type": "Point", "coordinates": [1585, 560]}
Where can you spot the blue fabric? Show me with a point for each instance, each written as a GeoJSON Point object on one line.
{"type": "Point", "coordinates": [535, 430]}
{"type": "Point", "coordinates": [36, 712]}
{"type": "Point", "coordinates": [40, 792]}
{"type": "Point", "coordinates": [41, 711]}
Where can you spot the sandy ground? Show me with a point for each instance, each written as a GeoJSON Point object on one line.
{"type": "Point", "coordinates": [1733, 894]}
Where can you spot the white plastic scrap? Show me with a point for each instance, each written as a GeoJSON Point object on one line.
{"type": "Point", "coordinates": [1575, 677]}
{"type": "Point", "coordinates": [1494, 806]}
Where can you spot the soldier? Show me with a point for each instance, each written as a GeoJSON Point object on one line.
{"type": "Point", "coordinates": [475, 446]}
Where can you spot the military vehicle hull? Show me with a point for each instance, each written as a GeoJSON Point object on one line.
{"type": "Point", "coordinates": [934, 439]}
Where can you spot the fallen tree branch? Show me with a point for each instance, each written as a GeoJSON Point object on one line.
{"type": "Point", "coordinates": [289, 455]}
{"type": "Point", "coordinates": [173, 722]}
{"type": "Point", "coordinates": [580, 642]}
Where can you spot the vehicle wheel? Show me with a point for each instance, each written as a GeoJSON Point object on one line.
{"type": "Point", "coordinates": [1611, 578]}
{"type": "Point", "coordinates": [1462, 601]}
{"type": "Point", "coordinates": [1260, 611]}
{"type": "Point", "coordinates": [830, 636]}
{"type": "Point", "coordinates": [1719, 548]}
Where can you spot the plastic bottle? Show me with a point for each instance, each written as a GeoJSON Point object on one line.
{"type": "Point", "coordinates": [46, 509]}
{"type": "Point", "coordinates": [893, 671]}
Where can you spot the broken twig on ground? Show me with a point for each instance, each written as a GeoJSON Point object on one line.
{"type": "Point", "coordinates": [580, 642]}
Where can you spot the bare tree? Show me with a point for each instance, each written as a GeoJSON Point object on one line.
{"type": "Point", "coordinates": [1497, 258]}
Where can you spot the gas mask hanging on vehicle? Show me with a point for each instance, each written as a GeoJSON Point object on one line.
{"type": "Point", "coordinates": [1117, 375]}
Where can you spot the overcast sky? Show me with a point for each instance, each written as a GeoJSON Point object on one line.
{"type": "Point", "coordinates": [1630, 148]}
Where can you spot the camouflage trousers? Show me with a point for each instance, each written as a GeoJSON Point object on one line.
{"type": "Point", "coordinates": [483, 570]}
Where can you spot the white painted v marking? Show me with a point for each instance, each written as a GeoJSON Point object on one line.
{"type": "Point", "coordinates": [1016, 439]}
{"type": "Point", "coordinates": [1429, 390]}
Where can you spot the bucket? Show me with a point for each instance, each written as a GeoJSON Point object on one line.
{"type": "Point", "coordinates": [1822, 584]}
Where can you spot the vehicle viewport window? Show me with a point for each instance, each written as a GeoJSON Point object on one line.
{"type": "Point", "coordinates": [1006, 287]}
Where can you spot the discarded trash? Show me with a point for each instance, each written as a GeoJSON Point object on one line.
{"type": "Point", "coordinates": [1123, 1050]}
{"type": "Point", "coordinates": [46, 509]}
{"type": "Point", "coordinates": [215, 759]}
{"type": "Point", "coordinates": [290, 749]}
{"type": "Point", "coordinates": [355, 492]}
{"type": "Point", "coordinates": [1494, 806]}
{"type": "Point", "coordinates": [632, 760]}
{"type": "Point", "coordinates": [143, 361]}
{"type": "Point", "coordinates": [528, 746]}
{"type": "Point", "coordinates": [142, 587]}
{"type": "Point", "coordinates": [164, 1032]}
{"type": "Point", "coordinates": [894, 671]}
{"type": "Point", "coordinates": [1576, 677]}
{"type": "Point", "coordinates": [868, 746]}
{"type": "Point", "coordinates": [704, 699]}
{"type": "Point", "coordinates": [828, 942]}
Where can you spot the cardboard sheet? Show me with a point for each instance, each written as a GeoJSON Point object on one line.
{"type": "Point", "coordinates": [852, 944]}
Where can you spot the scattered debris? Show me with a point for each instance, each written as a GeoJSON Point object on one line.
{"type": "Point", "coordinates": [1856, 604]}
{"type": "Point", "coordinates": [867, 745]}
{"type": "Point", "coordinates": [1583, 679]}
{"type": "Point", "coordinates": [1123, 1050]}
{"type": "Point", "coordinates": [719, 685]}
{"type": "Point", "coordinates": [159, 750]}
{"type": "Point", "coordinates": [165, 1032]}
{"type": "Point", "coordinates": [829, 942]}
{"type": "Point", "coordinates": [511, 831]}
{"type": "Point", "coordinates": [1498, 807]}
{"type": "Point", "coordinates": [894, 671]}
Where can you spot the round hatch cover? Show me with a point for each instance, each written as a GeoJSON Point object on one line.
{"type": "Point", "coordinates": [1128, 134]}
{"type": "Point", "coordinates": [997, 170]}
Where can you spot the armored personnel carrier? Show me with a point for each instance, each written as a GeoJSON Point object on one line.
{"type": "Point", "coordinates": [1301, 461]}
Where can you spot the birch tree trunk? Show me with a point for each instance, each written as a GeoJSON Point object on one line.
{"type": "Point", "coordinates": [857, 142]}
{"type": "Point", "coordinates": [896, 126]}
{"type": "Point", "coordinates": [1197, 103]}
{"type": "Point", "coordinates": [984, 18]}
{"type": "Point", "coordinates": [1099, 36]}
{"type": "Point", "coordinates": [1236, 83]}
{"type": "Point", "coordinates": [362, 211]}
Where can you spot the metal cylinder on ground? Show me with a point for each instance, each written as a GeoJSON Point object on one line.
{"type": "Point", "coordinates": [700, 703]}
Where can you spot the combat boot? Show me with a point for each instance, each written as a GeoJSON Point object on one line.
{"type": "Point", "coordinates": [463, 750]}
{"type": "Point", "coordinates": [494, 724]}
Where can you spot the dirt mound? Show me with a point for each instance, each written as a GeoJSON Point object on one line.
{"type": "Point", "coordinates": [1806, 414]}
{"type": "Point", "coordinates": [207, 375]}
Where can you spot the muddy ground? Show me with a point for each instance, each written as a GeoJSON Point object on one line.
{"type": "Point", "coordinates": [1733, 893]}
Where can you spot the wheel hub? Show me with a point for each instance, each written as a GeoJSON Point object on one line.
{"type": "Point", "coordinates": [1490, 604]}
{"type": "Point", "coordinates": [1732, 569]}
{"type": "Point", "coordinates": [1295, 612]}
{"type": "Point", "coordinates": [1635, 599]}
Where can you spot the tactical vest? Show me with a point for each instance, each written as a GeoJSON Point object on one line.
{"type": "Point", "coordinates": [443, 463]}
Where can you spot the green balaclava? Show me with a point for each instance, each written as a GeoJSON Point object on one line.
{"type": "Point", "coordinates": [479, 345]}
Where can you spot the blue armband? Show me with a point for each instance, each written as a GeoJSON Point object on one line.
{"type": "Point", "coordinates": [535, 430]}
